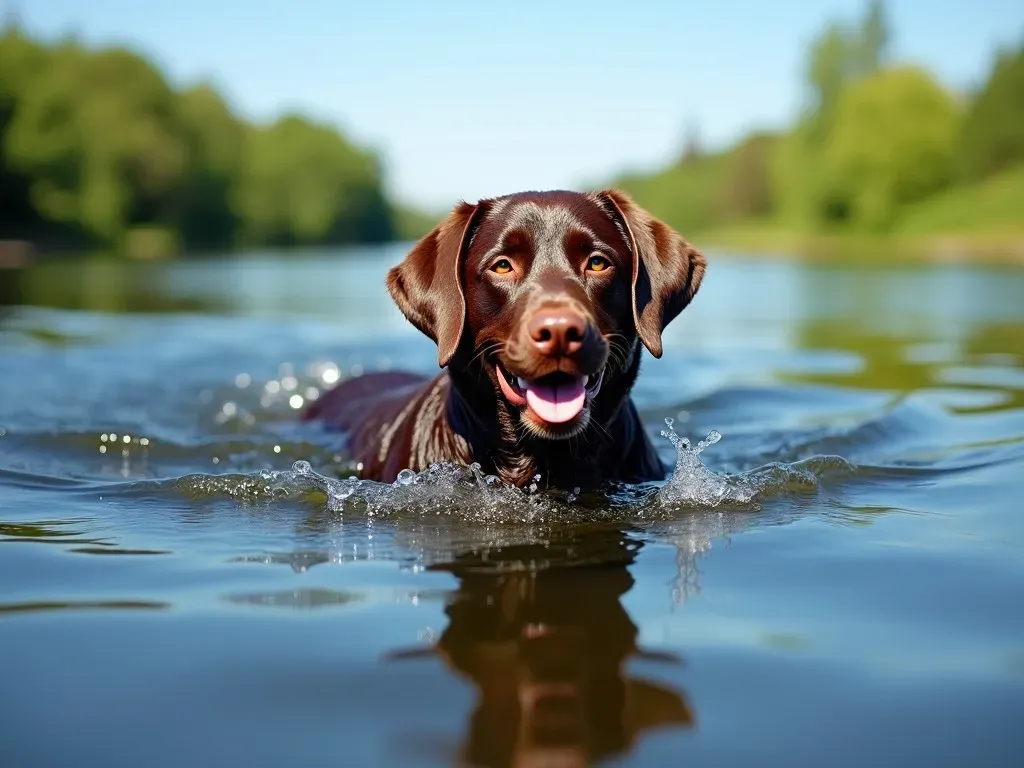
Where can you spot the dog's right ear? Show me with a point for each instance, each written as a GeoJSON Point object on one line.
{"type": "Point", "coordinates": [427, 285]}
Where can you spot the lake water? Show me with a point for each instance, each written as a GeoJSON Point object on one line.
{"type": "Point", "coordinates": [846, 588]}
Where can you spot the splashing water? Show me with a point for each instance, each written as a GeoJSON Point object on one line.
{"type": "Point", "coordinates": [439, 489]}
{"type": "Point", "coordinates": [448, 488]}
{"type": "Point", "coordinates": [692, 483]}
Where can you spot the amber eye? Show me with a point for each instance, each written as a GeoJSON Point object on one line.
{"type": "Point", "coordinates": [598, 263]}
{"type": "Point", "coordinates": [502, 266]}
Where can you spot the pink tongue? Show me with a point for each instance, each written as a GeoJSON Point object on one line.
{"type": "Point", "coordinates": [557, 403]}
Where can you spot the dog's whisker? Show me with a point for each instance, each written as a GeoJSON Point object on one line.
{"type": "Point", "coordinates": [486, 348]}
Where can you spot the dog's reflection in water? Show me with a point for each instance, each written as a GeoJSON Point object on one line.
{"type": "Point", "coordinates": [541, 633]}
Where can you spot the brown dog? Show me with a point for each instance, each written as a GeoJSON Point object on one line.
{"type": "Point", "coordinates": [538, 303]}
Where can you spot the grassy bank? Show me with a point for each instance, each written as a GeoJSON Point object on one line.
{"type": "Point", "coordinates": [982, 222]}
{"type": "Point", "coordinates": [952, 247]}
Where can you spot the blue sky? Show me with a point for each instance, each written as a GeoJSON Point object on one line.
{"type": "Point", "coordinates": [467, 99]}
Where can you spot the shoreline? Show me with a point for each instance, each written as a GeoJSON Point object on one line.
{"type": "Point", "coordinates": [951, 248]}
{"type": "Point", "coordinates": [867, 250]}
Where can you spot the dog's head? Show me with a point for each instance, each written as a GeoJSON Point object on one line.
{"type": "Point", "coordinates": [549, 293]}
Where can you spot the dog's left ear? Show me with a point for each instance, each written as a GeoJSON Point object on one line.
{"type": "Point", "coordinates": [667, 270]}
{"type": "Point", "coordinates": [427, 284]}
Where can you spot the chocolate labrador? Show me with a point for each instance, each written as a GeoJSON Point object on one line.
{"type": "Point", "coordinates": [538, 303]}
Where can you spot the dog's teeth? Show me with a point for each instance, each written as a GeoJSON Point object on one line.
{"type": "Point", "coordinates": [521, 382]}
{"type": "Point", "coordinates": [586, 380]}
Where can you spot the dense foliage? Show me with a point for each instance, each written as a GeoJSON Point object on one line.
{"type": "Point", "coordinates": [877, 141]}
{"type": "Point", "coordinates": [96, 148]}
{"type": "Point", "coordinates": [993, 130]}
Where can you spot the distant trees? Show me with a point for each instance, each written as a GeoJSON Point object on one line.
{"type": "Point", "coordinates": [893, 143]}
{"type": "Point", "coordinates": [747, 187]}
{"type": "Point", "coordinates": [992, 138]}
{"type": "Point", "coordinates": [842, 56]}
{"type": "Point", "coordinates": [875, 138]}
{"type": "Point", "coordinates": [95, 145]}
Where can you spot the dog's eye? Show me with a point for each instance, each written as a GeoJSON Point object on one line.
{"type": "Point", "coordinates": [502, 266]}
{"type": "Point", "coordinates": [598, 263]}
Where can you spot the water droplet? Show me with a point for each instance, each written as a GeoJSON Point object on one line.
{"type": "Point", "coordinates": [302, 468]}
{"type": "Point", "coordinates": [243, 380]}
{"type": "Point", "coordinates": [277, 449]}
{"type": "Point", "coordinates": [295, 401]}
{"type": "Point", "coordinates": [713, 437]}
{"type": "Point", "coordinates": [406, 477]}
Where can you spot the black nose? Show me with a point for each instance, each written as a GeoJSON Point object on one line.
{"type": "Point", "coordinates": [557, 331]}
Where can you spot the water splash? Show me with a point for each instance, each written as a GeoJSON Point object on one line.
{"type": "Point", "coordinates": [467, 492]}
{"type": "Point", "coordinates": [692, 483]}
{"type": "Point", "coordinates": [440, 489]}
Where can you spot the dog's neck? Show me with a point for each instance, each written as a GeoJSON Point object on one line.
{"type": "Point", "coordinates": [501, 445]}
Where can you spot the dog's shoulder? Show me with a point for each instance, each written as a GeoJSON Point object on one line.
{"type": "Point", "coordinates": [353, 400]}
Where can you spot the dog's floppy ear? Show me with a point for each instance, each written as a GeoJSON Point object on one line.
{"type": "Point", "coordinates": [667, 270]}
{"type": "Point", "coordinates": [427, 285]}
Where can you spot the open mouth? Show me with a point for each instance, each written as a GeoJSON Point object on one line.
{"type": "Point", "coordinates": [555, 398]}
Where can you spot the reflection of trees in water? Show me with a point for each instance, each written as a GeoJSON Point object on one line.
{"type": "Point", "coordinates": [908, 329]}
{"type": "Point", "coordinates": [903, 364]}
{"type": "Point", "coordinates": [102, 283]}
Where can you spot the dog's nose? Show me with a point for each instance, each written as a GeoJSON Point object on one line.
{"type": "Point", "coordinates": [557, 331]}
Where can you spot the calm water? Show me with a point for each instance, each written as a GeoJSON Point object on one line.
{"type": "Point", "coordinates": [839, 583]}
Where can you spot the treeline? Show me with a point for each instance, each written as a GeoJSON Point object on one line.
{"type": "Point", "coordinates": [876, 139]}
{"type": "Point", "coordinates": [98, 150]}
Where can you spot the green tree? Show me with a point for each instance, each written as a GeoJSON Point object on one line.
{"type": "Point", "coordinates": [828, 69]}
{"type": "Point", "coordinates": [893, 143]}
{"type": "Point", "coordinates": [21, 60]}
{"type": "Point", "coordinates": [842, 55]}
{"type": "Point", "coordinates": [97, 135]}
{"type": "Point", "coordinates": [96, 147]}
{"type": "Point", "coordinates": [872, 45]}
{"type": "Point", "coordinates": [747, 187]}
{"type": "Point", "coordinates": [993, 132]}
{"type": "Point", "coordinates": [208, 214]}
{"type": "Point", "coordinates": [303, 183]}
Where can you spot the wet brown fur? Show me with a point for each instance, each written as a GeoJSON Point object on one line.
{"type": "Point", "coordinates": [478, 320]}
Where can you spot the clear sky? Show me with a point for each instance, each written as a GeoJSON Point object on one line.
{"type": "Point", "coordinates": [468, 98]}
